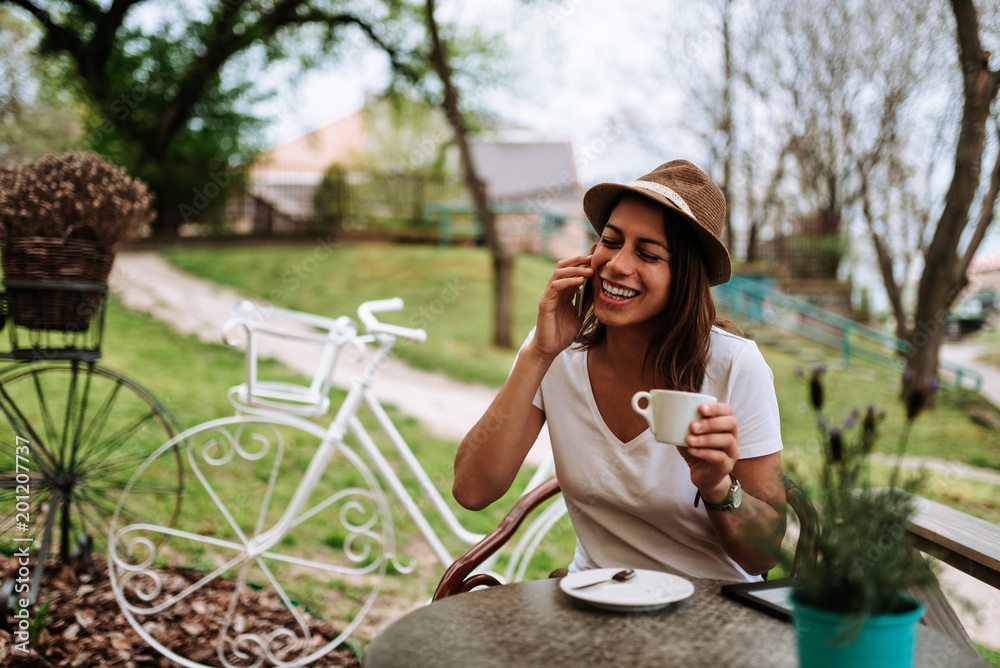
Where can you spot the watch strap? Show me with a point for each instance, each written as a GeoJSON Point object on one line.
{"type": "Point", "coordinates": [727, 503]}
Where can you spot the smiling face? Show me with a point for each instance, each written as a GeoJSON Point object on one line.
{"type": "Point", "coordinates": [631, 264]}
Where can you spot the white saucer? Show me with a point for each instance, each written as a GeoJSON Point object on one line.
{"type": "Point", "coordinates": [648, 590]}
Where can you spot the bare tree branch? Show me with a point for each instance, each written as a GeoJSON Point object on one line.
{"type": "Point", "coordinates": [884, 258]}
{"type": "Point", "coordinates": [229, 42]}
{"type": "Point", "coordinates": [985, 213]}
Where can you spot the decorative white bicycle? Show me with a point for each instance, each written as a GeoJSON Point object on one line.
{"type": "Point", "coordinates": [260, 539]}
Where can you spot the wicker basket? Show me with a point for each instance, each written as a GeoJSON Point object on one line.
{"type": "Point", "coordinates": [54, 261]}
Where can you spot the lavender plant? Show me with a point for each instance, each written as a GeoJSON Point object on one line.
{"type": "Point", "coordinates": [863, 563]}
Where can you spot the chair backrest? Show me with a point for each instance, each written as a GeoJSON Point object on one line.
{"type": "Point", "coordinates": [807, 518]}
{"type": "Point", "coordinates": [460, 577]}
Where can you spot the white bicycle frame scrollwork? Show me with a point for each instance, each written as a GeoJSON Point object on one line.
{"type": "Point", "coordinates": [260, 402]}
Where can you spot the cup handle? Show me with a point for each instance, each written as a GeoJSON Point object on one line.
{"type": "Point", "coordinates": [646, 412]}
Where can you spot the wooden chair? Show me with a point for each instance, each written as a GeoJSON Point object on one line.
{"type": "Point", "coordinates": [460, 577]}
{"type": "Point", "coordinates": [804, 511]}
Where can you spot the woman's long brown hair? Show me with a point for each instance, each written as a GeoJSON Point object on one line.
{"type": "Point", "coordinates": [678, 351]}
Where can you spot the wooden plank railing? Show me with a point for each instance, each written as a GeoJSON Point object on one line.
{"type": "Point", "coordinates": [970, 544]}
{"type": "Point", "coordinates": [967, 543]}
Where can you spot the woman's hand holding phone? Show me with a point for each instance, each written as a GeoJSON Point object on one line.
{"type": "Point", "coordinates": [559, 311]}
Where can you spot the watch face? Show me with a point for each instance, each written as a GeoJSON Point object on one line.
{"type": "Point", "coordinates": [733, 498]}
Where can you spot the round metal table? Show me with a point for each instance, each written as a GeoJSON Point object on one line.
{"type": "Point", "coordinates": [535, 624]}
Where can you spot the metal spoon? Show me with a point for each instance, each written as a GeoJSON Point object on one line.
{"type": "Point", "coordinates": [620, 576]}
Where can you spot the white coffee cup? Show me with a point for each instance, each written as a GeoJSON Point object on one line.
{"type": "Point", "coordinates": [670, 413]}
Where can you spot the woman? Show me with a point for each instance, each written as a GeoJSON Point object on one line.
{"type": "Point", "coordinates": [635, 502]}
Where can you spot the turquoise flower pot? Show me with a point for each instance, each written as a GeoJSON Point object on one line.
{"type": "Point", "coordinates": [885, 641]}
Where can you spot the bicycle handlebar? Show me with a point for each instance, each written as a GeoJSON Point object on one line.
{"type": "Point", "coordinates": [285, 323]}
{"type": "Point", "coordinates": [366, 314]}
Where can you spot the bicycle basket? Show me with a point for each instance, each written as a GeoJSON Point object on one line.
{"type": "Point", "coordinates": [31, 262]}
{"type": "Point", "coordinates": [54, 320]}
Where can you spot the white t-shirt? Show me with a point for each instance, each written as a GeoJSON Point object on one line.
{"type": "Point", "coordinates": [632, 504]}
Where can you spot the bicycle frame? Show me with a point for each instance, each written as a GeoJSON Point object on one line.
{"type": "Point", "coordinates": [259, 398]}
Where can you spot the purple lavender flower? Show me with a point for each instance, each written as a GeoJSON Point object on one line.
{"type": "Point", "coordinates": [836, 445]}
{"type": "Point", "coordinates": [816, 387]}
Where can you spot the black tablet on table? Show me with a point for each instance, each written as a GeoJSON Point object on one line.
{"type": "Point", "coordinates": [773, 597]}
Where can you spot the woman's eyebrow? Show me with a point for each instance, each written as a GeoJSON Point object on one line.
{"type": "Point", "coordinates": [655, 242]}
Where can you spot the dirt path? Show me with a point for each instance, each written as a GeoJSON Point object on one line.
{"type": "Point", "coordinates": [966, 354]}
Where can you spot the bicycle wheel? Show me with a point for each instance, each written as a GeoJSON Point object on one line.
{"type": "Point", "coordinates": [253, 583]}
{"type": "Point", "coordinates": [84, 429]}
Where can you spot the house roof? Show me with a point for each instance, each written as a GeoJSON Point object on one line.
{"type": "Point", "coordinates": [339, 141]}
{"type": "Point", "coordinates": [514, 164]}
{"type": "Point", "coordinates": [294, 200]}
{"type": "Point", "coordinates": [519, 169]}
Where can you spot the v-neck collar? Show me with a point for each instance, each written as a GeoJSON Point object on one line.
{"type": "Point", "coordinates": [596, 411]}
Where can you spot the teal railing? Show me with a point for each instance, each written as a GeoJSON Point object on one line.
{"type": "Point", "coordinates": [749, 300]}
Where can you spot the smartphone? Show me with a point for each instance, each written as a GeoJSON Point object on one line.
{"type": "Point", "coordinates": [582, 293]}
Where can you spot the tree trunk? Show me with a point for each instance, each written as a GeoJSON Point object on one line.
{"type": "Point", "coordinates": [752, 243]}
{"type": "Point", "coordinates": [502, 260]}
{"type": "Point", "coordinates": [943, 277]}
{"type": "Point", "coordinates": [503, 277]}
{"type": "Point", "coordinates": [727, 126]}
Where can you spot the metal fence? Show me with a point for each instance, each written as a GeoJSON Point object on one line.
{"type": "Point", "coordinates": [292, 202]}
{"type": "Point", "coordinates": [371, 204]}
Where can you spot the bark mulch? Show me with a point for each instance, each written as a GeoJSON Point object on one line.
{"type": "Point", "coordinates": [84, 626]}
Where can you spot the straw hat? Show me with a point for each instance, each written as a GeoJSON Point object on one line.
{"type": "Point", "coordinates": [683, 188]}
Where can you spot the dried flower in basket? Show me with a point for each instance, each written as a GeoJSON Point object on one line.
{"type": "Point", "coordinates": [62, 218]}
{"type": "Point", "coordinates": [73, 196]}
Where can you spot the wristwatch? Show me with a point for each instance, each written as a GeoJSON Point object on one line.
{"type": "Point", "coordinates": [732, 501]}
